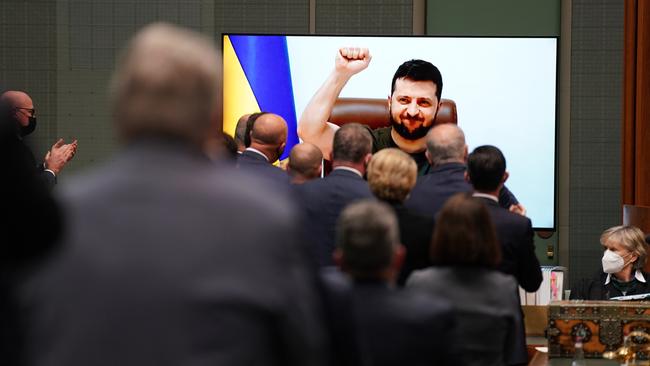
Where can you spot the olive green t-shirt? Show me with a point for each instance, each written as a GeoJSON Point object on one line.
{"type": "Point", "coordinates": [381, 139]}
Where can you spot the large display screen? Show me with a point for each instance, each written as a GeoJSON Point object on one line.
{"type": "Point", "coordinates": [505, 91]}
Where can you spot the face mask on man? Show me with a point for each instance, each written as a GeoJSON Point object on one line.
{"type": "Point", "coordinates": [31, 126]}
{"type": "Point", "coordinates": [612, 262]}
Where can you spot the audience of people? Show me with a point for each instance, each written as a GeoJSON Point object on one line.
{"type": "Point", "coordinates": [167, 255]}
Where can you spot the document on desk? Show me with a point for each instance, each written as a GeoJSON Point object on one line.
{"type": "Point", "coordinates": [632, 297]}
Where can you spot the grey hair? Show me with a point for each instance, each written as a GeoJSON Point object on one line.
{"type": "Point", "coordinates": [631, 238]}
{"type": "Point", "coordinates": [367, 233]}
{"type": "Point", "coordinates": [167, 82]}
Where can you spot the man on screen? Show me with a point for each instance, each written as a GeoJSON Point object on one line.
{"type": "Point", "coordinates": [415, 97]}
{"type": "Point", "coordinates": [413, 103]}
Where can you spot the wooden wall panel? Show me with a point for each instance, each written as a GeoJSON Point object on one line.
{"type": "Point", "coordinates": [636, 104]}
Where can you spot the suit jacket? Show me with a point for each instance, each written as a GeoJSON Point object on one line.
{"type": "Point", "coordinates": [322, 201]}
{"type": "Point", "coordinates": [394, 327]}
{"type": "Point", "coordinates": [515, 234]}
{"type": "Point", "coordinates": [415, 231]}
{"type": "Point", "coordinates": [261, 168]}
{"type": "Point", "coordinates": [441, 182]}
{"type": "Point", "coordinates": [28, 233]}
{"type": "Point", "coordinates": [486, 310]}
{"type": "Point", "coordinates": [595, 288]}
{"type": "Point", "coordinates": [169, 260]}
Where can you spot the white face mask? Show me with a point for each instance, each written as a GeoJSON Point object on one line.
{"type": "Point", "coordinates": [612, 262]}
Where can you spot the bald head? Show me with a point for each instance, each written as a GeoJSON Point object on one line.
{"type": "Point", "coordinates": [18, 99]}
{"type": "Point", "coordinates": [167, 83]}
{"type": "Point", "coordinates": [305, 162]}
{"type": "Point", "coordinates": [446, 144]}
{"type": "Point", "coordinates": [269, 135]}
{"type": "Point", "coordinates": [269, 129]}
{"type": "Point", "coordinates": [240, 132]}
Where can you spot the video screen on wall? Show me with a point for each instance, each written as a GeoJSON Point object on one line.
{"type": "Point", "coordinates": [505, 90]}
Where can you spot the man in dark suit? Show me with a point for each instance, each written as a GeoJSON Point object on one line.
{"type": "Point", "coordinates": [28, 232]}
{"type": "Point", "coordinates": [268, 136]}
{"type": "Point", "coordinates": [322, 200]}
{"type": "Point", "coordinates": [447, 154]}
{"type": "Point", "coordinates": [23, 116]}
{"type": "Point", "coordinates": [159, 264]}
{"type": "Point", "coordinates": [392, 327]}
{"type": "Point", "coordinates": [486, 170]}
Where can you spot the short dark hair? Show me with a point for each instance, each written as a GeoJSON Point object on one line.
{"type": "Point", "coordinates": [249, 127]}
{"type": "Point", "coordinates": [419, 70]}
{"type": "Point", "coordinates": [485, 167]}
{"type": "Point", "coordinates": [367, 233]}
{"type": "Point", "coordinates": [240, 131]}
{"type": "Point", "coordinates": [464, 234]}
{"type": "Point", "coordinates": [352, 142]}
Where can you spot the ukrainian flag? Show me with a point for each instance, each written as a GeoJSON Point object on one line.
{"type": "Point", "coordinates": [257, 77]}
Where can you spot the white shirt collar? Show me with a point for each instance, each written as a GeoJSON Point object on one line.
{"type": "Point", "coordinates": [348, 169]}
{"type": "Point", "coordinates": [638, 275]}
{"type": "Point", "coordinates": [257, 151]}
{"type": "Point", "coordinates": [488, 196]}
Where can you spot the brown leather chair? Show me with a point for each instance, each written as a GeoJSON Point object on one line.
{"type": "Point", "coordinates": [374, 112]}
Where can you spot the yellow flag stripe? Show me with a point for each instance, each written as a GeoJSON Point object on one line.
{"type": "Point", "coordinates": [238, 97]}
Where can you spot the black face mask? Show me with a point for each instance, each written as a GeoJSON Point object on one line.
{"type": "Point", "coordinates": [31, 126]}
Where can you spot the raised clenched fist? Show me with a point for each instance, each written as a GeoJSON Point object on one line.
{"type": "Point", "coordinates": [352, 60]}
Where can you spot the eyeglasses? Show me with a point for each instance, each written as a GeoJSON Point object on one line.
{"type": "Point", "coordinates": [32, 111]}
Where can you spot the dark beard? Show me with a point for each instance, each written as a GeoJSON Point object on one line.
{"type": "Point", "coordinates": [401, 130]}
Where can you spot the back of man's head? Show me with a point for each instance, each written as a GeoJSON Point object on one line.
{"type": "Point", "coordinates": [446, 144]}
{"type": "Point", "coordinates": [167, 83]}
{"type": "Point", "coordinates": [352, 143]}
{"type": "Point", "coordinates": [269, 129]}
{"type": "Point", "coordinates": [305, 162]}
{"type": "Point", "coordinates": [367, 238]}
{"type": "Point", "coordinates": [486, 167]}
{"type": "Point", "coordinates": [240, 132]}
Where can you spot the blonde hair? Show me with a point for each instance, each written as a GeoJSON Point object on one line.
{"type": "Point", "coordinates": [167, 82]}
{"type": "Point", "coordinates": [391, 175]}
{"type": "Point", "coordinates": [629, 237]}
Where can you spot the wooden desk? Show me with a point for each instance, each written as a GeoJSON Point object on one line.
{"type": "Point", "coordinates": [541, 359]}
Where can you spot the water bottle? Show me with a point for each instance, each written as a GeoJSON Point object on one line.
{"type": "Point", "coordinates": [579, 356]}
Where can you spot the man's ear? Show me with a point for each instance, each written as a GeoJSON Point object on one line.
{"type": "Point", "coordinates": [367, 159]}
{"type": "Point", "coordinates": [506, 175]}
{"type": "Point", "coordinates": [398, 258]}
{"type": "Point", "coordinates": [428, 155]}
